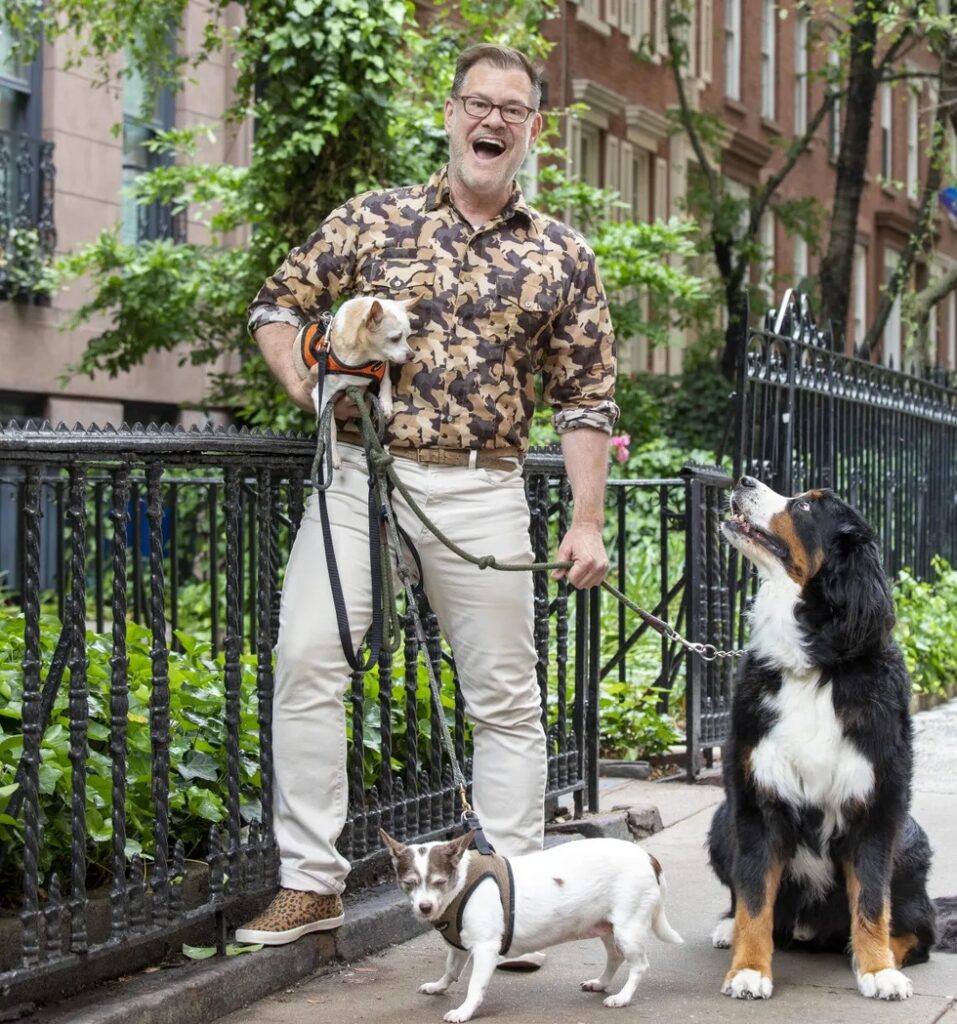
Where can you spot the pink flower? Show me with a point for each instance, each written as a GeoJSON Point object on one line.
{"type": "Point", "coordinates": [619, 443]}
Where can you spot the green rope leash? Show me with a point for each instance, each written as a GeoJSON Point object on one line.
{"type": "Point", "coordinates": [382, 461]}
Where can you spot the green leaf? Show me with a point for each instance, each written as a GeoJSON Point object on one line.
{"type": "Point", "coordinates": [198, 952]}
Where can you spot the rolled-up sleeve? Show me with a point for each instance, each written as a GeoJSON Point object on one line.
{"type": "Point", "coordinates": [579, 367]}
{"type": "Point", "coordinates": [311, 277]}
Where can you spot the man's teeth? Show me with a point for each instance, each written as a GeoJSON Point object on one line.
{"type": "Point", "coordinates": [489, 141]}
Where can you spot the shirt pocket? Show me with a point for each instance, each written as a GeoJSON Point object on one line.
{"type": "Point", "coordinates": [398, 272]}
{"type": "Point", "coordinates": [518, 316]}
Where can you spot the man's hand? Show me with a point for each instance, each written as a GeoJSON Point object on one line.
{"type": "Point", "coordinates": [585, 546]}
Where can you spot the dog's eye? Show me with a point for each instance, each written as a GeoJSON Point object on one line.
{"type": "Point", "coordinates": [407, 883]}
{"type": "Point", "coordinates": [804, 506]}
{"type": "Point", "coordinates": [438, 880]}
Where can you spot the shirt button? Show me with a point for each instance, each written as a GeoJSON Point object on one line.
{"type": "Point", "coordinates": [448, 417]}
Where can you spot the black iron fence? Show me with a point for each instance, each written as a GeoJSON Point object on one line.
{"type": "Point", "coordinates": [136, 651]}
{"type": "Point", "coordinates": [142, 571]}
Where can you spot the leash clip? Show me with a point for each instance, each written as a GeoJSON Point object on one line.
{"type": "Point", "coordinates": [471, 822]}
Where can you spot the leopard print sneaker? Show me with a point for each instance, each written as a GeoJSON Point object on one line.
{"type": "Point", "coordinates": [291, 915]}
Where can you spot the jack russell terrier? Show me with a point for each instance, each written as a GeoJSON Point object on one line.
{"type": "Point", "coordinates": [485, 906]}
{"type": "Point", "coordinates": [364, 336]}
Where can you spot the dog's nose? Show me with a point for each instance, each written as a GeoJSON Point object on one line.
{"type": "Point", "coordinates": [425, 908]}
{"type": "Point", "coordinates": [747, 481]}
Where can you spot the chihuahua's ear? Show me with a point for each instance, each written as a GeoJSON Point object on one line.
{"type": "Point", "coordinates": [375, 313]}
{"type": "Point", "coordinates": [457, 847]}
{"type": "Point", "coordinates": [410, 303]}
{"type": "Point", "coordinates": [394, 847]}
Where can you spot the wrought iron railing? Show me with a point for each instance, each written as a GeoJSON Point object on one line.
{"type": "Point", "coordinates": [113, 523]}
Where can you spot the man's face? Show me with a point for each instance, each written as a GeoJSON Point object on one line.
{"type": "Point", "coordinates": [485, 153]}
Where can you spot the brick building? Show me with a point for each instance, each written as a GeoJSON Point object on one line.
{"type": "Point", "coordinates": [62, 170]}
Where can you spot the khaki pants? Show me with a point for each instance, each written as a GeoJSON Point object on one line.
{"type": "Point", "coordinates": [487, 617]}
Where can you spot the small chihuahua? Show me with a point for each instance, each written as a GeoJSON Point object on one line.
{"type": "Point", "coordinates": [364, 331]}
{"type": "Point", "coordinates": [606, 888]}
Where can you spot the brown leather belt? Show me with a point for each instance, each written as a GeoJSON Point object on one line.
{"type": "Point", "coordinates": [497, 458]}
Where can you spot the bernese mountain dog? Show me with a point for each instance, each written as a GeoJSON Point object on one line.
{"type": "Point", "coordinates": [814, 838]}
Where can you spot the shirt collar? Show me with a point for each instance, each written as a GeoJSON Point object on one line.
{"type": "Point", "coordinates": [439, 193]}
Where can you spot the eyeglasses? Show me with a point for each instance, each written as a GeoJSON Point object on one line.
{"type": "Point", "coordinates": [512, 113]}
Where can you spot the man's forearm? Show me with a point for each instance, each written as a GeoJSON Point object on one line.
{"type": "Point", "coordinates": [275, 342]}
{"type": "Point", "coordinates": [586, 463]}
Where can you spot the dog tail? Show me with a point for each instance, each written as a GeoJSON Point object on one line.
{"type": "Point", "coordinates": [659, 922]}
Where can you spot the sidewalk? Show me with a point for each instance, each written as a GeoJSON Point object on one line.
{"type": "Point", "coordinates": [683, 981]}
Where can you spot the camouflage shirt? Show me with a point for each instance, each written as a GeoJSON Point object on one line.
{"type": "Point", "coordinates": [497, 304]}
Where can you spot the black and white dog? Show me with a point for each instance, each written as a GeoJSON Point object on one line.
{"type": "Point", "coordinates": [814, 838]}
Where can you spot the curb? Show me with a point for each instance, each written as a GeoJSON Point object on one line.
{"type": "Point", "coordinates": [204, 990]}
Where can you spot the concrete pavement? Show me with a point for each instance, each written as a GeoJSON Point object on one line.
{"type": "Point", "coordinates": [347, 985]}
{"type": "Point", "coordinates": [682, 982]}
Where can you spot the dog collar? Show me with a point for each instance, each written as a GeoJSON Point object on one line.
{"type": "Point", "coordinates": [316, 344]}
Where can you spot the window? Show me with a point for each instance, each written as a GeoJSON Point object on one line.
{"type": "Point", "coordinates": [143, 223]}
{"type": "Point", "coordinates": [887, 138]}
{"type": "Point", "coordinates": [732, 49]}
{"type": "Point", "coordinates": [661, 26]}
{"type": "Point", "coordinates": [612, 171]}
{"type": "Point", "coordinates": [528, 175]}
{"type": "Point", "coordinates": [766, 233]}
{"type": "Point", "coordinates": [707, 40]}
{"type": "Point", "coordinates": [769, 17]}
{"type": "Point", "coordinates": [913, 134]}
{"type": "Point", "coordinates": [800, 270]}
{"type": "Point", "coordinates": [641, 207]}
{"type": "Point", "coordinates": [834, 125]}
{"type": "Point", "coordinates": [626, 181]}
{"type": "Point", "coordinates": [661, 189]}
{"type": "Point", "coordinates": [613, 12]}
{"type": "Point", "coordinates": [19, 89]}
{"type": "Point", "coordinates": [800, 74]}
{"type": "Point", "coordinates": [859, 295]}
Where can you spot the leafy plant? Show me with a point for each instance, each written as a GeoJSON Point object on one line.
{"type": "Point", "coordinates": [26, 268]}
{"type": "Point", "coordinates": [927, 628]}
{"type": "Point", "coordinates": [197, 748]}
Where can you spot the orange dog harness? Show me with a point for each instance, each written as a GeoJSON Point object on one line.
{"type": "Point", "coordinates": [316, 343]}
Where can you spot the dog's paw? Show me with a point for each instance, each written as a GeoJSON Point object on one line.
{"type": "Point", "coordinates": [747, 984]}
{"type": "Point", "coordinates": [886, 984]}
{"type": "Point", "coordinates": [593, 985]}
{"type": "Point", "coordinates": [616, 1001]}
{"type": "Point", "coordinates": [723, 933]}
{"type": "Point", "coordinates": [458, 1015]}
{"type": "Point", "coordinates": [433, 988]}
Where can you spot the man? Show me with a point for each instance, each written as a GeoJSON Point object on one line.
{"type": "Point", "coordinates": [503, 292]}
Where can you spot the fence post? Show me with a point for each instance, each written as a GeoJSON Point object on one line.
{"type": "Point", "coordinates": [693, 594]}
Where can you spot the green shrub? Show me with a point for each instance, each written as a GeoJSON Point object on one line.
{"type": "Point", "coordinates": [197, 748]}
{"type": "Point", "coordinates": [927, 627]}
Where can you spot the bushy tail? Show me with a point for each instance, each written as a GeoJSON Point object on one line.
{"type": "Point", "coordinates": [659, 923]}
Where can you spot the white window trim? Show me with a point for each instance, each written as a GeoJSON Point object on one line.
{"type": "Point", "coordinates": [800, 73]}
{"type": "Point", "coordinates": [706, 50]}
{"type": "Point", "coordinates": [892, 342]}
{"type": "Point", "coordinates": [613, 12]}
{"type": "Point", "coordinates": [769, 36]}
{"type": "Point", "coordinates": [661, 189]}
{"type": "Point", "coordinates": [913, 142]}
{"type": "Point", "coordinates": [732, 49]}
{"type": "Point", "coordinates": [800, 258]}
{"type": "Point", "coordinates": [590, 15]}
{"type": "Point", "coordinates": [626, 179]}
{"type": "Point", "coordinates": [612, 175]}
{"type": "Point", "coordinates": [887, 140]}
{"type": "Point", "coordinates": [859, 294]}
{"type": "Point", "coordinates": [661, 28]}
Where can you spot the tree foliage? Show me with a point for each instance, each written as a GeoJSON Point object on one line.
{"type": "Point", "coordinates": [854, 48]}
{"type": "Point", "coordinates": [346, 95]}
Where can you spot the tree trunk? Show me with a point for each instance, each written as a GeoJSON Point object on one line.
{"type": "Point", "coordinates": [863, 79]}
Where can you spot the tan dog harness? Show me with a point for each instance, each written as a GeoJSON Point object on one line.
{"type": "Point", "coordinates": [480, 867]}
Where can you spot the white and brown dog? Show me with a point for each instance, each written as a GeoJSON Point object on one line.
{"type": "Point", "coordinates": [364, 336]}
{"type": "Point", "coordinates": [487, 906]}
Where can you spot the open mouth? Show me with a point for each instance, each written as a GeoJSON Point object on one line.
{"type": "Point", "coordinates": [488, 147]}
{"type": "Point", "coordinates": [739, 525]}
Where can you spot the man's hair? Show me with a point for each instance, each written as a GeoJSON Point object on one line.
{"type": "Point", "coordinates": [503, 57]}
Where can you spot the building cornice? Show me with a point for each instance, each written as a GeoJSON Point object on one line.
{"type": "Point", "coordinates": [602, 103]}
